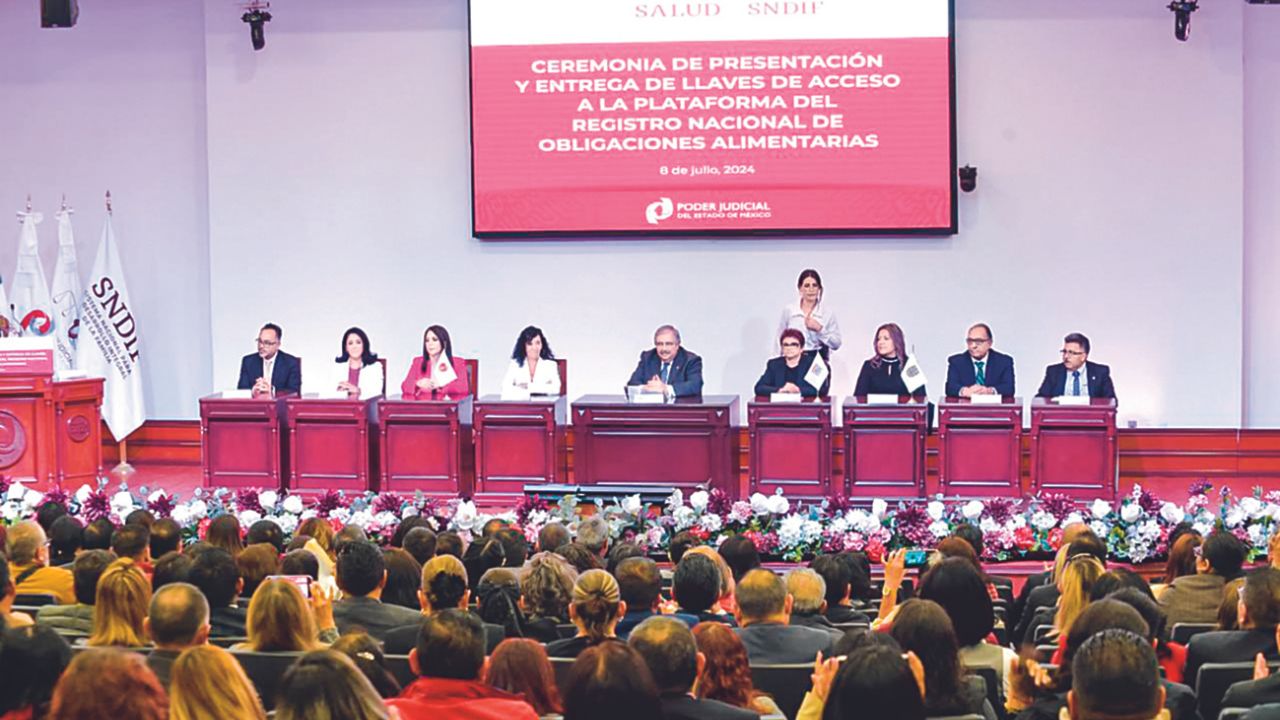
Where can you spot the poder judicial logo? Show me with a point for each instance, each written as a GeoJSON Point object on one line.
{"type": "Point", "coordinates": [664, 209]}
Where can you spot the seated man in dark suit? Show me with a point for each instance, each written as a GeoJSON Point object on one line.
{"type": "Point", "coordinates": [214, 572]}
{"type": "Point", "coordinates": [361, 575]}
{"type": "Point", "coordinates": [764, 619]}
{"type": "Point", "coordinates": [696, 587]}
{"type": "Point", "coordinates": [837, 578]}
{"type": "Point", "coordinates": [1075, 375]}
{"type": "Point", "coordinates": [981, 370]}
{"type": "Point", "coordinates": [444, 587]}
{"type": "Point", "coordinates": [270, 368]}
{"type": "Point", "coordinates": [809, 603]}
{"type": "Point", "coordinates": [177, 619]}
{"type": "Point", "coordinates": [668, 368]}
{"type": "Point", "coordinates": [640, 586]}
{"type": "Point", "coordinates": [1259, 613]}
{"type": "Point", "coordinates": [668, 648]}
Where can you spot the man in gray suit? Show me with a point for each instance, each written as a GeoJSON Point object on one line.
{"type": "Point", "coordinates": [764, 619]}
{"type": "Point", "coordinates": [361, 575]}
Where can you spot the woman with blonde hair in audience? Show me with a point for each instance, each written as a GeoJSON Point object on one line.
{"type": "Point", "coordinates": [596, 609]}
{"type": "Point", "coordinates": [326, 685]}
{"type": "Point", "coordinates": [521, 666]}
{"type": "Point", "coordinates": [120, 605]}
{"type": "Point", "coordinates": [726, 604]}
{"type": "Point", "coordinates": [224, 532]}
{"type": "Point", "coordinates": [108, 684]}
{"type": "Point", "coordinates": [207, 683]}
{"type": "Point", "coordinates": [545, 593]}
{"type": "Point", "coordinates": [280, 619]}
{"type": "Point", "coordinates": [727, 674]}
{"type": "Point", "coordinates": [1078, 577]}
{"type": "Point", "coordinates": [321, 531]}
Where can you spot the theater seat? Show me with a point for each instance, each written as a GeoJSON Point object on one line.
{"type": "Point", "coordinates": [35, 599]}
{"type": "Point", "coordinates": [995, 689]}
{"type": "Point", "coordinates": [265, 670]}
{"type": "Point", "coordinates": [399, 667]}
{"type": "Point", "coordinates": [1182, 633]}
{"type": "Point", "coordinates": [561, 668]}
{"type": "Point", "coordinates": [786, 683]}
{"type": "Point", "coordinates": [1215, 678]}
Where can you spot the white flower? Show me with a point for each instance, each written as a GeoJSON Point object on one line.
{"type": "Point", "coordinates": [288, 523]}
{"type": "Point", "coordinates": [972, 510]}
{"type": "Point", "coordinates": [465, 515]}
{"type": "Point", "coordinates": [1015, 522]}
{"type": "Point", "coordinates": [631, 504]}
{"type": "Point", "coordinates": [791, 531]}
{"type": "Point", "coordinates": [778, 504]}
{"type": "Point", "coordinates": [82, 493]}
{"type": "Point", "coordinates": [740, 511]}
{"type": "Point", "coordinates": [839, 525]}
{"type": "Point", "coordinates": [987, 525]}
{"type": "Point", "coordinates": [10, 512]}
{"type": "Point", "coordinates": [249, 517]}
{"type": "Point", "coordinates": [684, 517]}
{"type": "Point", "coordinates": [17, 491]}
{"type": "Point", "coordinates": [1172, 514]}
{"type": "Point", "coordinates": [1043, 520]}
{"type": "Point", "coordinates": [1099, 528]}
{"type": "Point", "coordinates": [268, 499]}
{"type": "Point", "coordinates": [538, 518]}
{"type": "Point", "coordinates": [360, 518]}
{"type": "Point", "coordinates": [412, 510]}
{"type": "Point", "coordinates": [342, 515]}
{"type": "Point", "coordinates": [122, 502]}
{"type": "Point", "coordinates": [307, 514]}
{"type": "Point", "coordinates": [386, 519]}
{"type": "Point", "coordinates": [935, 509]}
{"type": "Point", "coordinates": [1130, 512]}
{"type": "Point", "coordinates": [1235, 517]}
{"type": "Point", "coordinates": [155, 496]}
{"type": "Point", "coordinates": [812, 530]}
{"type": "Point", "coordinates": [32, 499]}
{"type": "Point", "coordinates": [879, 507]}
{"type": "Point", "coordinates": [862, 522]}
{"type": "Point", "coordinates": [1252, 506]}
{"type": "Point", "coordinates": [181, 515]}
{"type": "Point", "coordinates": [197, 509]}
{"type": "Point", "coordinates": [759, 504]}
{"type": "Point", "coordinates": [1100, 508]}
{"type": "Point", "coordinates": [293, 505]}
{"type": "Point", "coordinates": [1258, 536]}
{"type": "Point", "coordinates": [1204, 528]}
{"type": "Point", "coordinates": [940, 528]}
{"type": "Point", "coordinates": [699, 500]}
{"type": "Point", "coordinates": [676, 499]}
{"type": "Point", "coordinates": [1073, 519]}
{"type": "Point", "coordinates": [710, 522]}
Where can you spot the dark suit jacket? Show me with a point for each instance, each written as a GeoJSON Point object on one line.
{"type": "Point", "coordinates": [819, 622]}
{"type": "Point", "coordinates": [1270, 711]}
{"type": "Point", "coordinates": [376, 617]}
{"type": "Point", "coordinates": [400, 640]}
{"type": "Point", "coordinates": [161, 663]}
{"type": "Point", "coordinates": [775, 376]}
{"type": "Point", "coordinates": [846, 614]}
{"type": "Point", "coordinates": [1055, 380]}
{"type": "Point", "coordinates": [227, 622]}
{"type": "Point", "coordinates": [1229, 646]}
{"type": "Point", "coordinates": [774, 644]}
{"type": "Point", "coordinates": [684, 377]}
{"type": "Point", "coordinates": [998, 372]}
{"type": "Point", "coordinates": [634, 618]}
{"type": "Point", "coordinates": [286, 374]}
{"type": "Point", "coordinates": [1020, 604]}
{"type": "Point", "coordinates": [1045, 596]}
{"type": "Point", "coordinates": [686, 707]}
{"type": "Point", "coordinates": [1253, 692]}
{"type": "Point", "coordinates": [1179, 699]}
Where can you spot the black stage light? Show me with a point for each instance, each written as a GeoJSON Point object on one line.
{"type": "Point", "coordinates": [968, 178]}
{"type": "Point", "coordinates": [257, 15]}
{"type": "Point", "coordinates": [1182, 10]}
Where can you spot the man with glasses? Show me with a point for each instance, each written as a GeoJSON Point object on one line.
{"type": "Point", "coordinates": [1075, 376]}
{"type": "Point", "coordinates": [668, 368]}
{"type": "Point", "coordinates": [981, 370]}
{"type": "Point", "coordinates": [270, 369]}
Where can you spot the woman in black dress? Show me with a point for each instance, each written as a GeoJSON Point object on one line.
{"type": "Point", "coordinates": [882, 374]}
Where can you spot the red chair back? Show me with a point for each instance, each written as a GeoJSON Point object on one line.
{"type": "Point", "coordinates": [473, 375]}
{"type": "Point", "coordinates": [562, 366]}
{"type": "Point", "coordinates": [383, 363]}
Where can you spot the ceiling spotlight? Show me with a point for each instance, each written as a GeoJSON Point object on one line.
{"type": "Point", "coordinates": [257, 15]}
{"type": "Point", "coordinates": [1182, 10]}
{"type": "Point", "coordinates": [968, 178]}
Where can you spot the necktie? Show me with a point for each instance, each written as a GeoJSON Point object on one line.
{"type": "Point", "coordinates": [666, 370]}
{"type": "Point", "coordinates": [982, 374]}
{"type": "Point", "coordinates": [1075, 382]}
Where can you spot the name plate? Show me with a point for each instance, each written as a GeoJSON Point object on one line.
{"type": "Point", "coordinates": [515, 392]}
{"type": "Point", "coordinates": [26, 356]}
{"type": "Point", "coordinates": [985, 399]}
{"type": "Point", "coordinates": [780, 397]}
{"type": "Point", "coordinates": [237, 394]}
{"type": "Point", "coordinates": [332, 395]}
{"type": "Point", "coordinates": [1072, 399]}
{"type": "Point", "coordinates": [882, 399]}
{"type": "Point", "coordinates": [646, 398]}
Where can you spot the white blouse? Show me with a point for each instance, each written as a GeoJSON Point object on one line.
{"type": "Point", "coordinates": [370, 379]}
{"type": "Point", "coordinates": [545, 380]}
{"type": "Point", "coordinates": [793, 317]}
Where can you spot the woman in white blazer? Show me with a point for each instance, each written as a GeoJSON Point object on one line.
{"type": "Point", "coordinates": [533, 365]}
{"type": "Point", "coordinates": [357, 370]}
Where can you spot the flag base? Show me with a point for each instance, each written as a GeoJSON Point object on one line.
{"type": "Point", "coordinates": [123, 472]}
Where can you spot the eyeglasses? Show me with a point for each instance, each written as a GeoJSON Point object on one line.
{"type": "Point", "coordinates": [791, 344]}
{"type": "Point", "coordinates": [268, 343]}
{"type": "Point", "coordinates": [1073, 353]}
{"type": "Point", "coordinates": [977, 341]}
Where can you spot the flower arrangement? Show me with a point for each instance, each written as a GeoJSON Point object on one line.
{"type": "Point", "coordinates": [1135, 528]}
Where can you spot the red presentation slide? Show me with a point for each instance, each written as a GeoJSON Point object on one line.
{"type": "Point", "coordinates": [737, 116]}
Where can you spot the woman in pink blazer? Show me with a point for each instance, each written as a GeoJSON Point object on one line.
{"type": "Point", "coordinates": [437, 354]}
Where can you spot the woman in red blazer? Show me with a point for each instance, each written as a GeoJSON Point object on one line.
{"type": "Point", "coordinates": [437, 355]}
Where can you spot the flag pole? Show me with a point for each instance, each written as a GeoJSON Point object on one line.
{"type": "Point", "coordinates": [123, 471]}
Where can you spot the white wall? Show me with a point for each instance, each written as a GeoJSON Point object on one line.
{"type": "Point", "coordinates": [339, 195]}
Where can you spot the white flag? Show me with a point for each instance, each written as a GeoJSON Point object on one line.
{"type": "Point", "coordinates": [32, 306]}
{"type": "Point", "coordinates": [912, 375]}
{"type": "Point", "coordinates": [109, 342]}
{"type": "Point", "coordinates": [818, 372]}
{"type": "Point", "coordinates": [66, 295]}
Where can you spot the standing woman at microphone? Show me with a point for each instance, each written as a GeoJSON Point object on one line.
{"type": "Point", "coordinates": [436, 372]}
{"type": "Point", "coordinates": [808, 314]}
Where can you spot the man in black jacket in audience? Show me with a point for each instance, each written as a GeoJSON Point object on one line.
{"type": "Point", "coordinates": [1259, 613]}
{"type": "Point", "coordinates": [361, 575]}
{"type": "Point", "coordinates": [214, 572]}
{"type": "Point", "coordinates": [668, 648]}
{"type": "Point", "coordinates": [444, 587]}
{"type": "Point", "coordinates": [764, 619]}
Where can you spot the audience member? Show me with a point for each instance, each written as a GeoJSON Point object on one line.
{"type": "Point", "coordinates": [593, 533]}
{"type": "Point", "coordinates": [449, 660]}
{"type": "Point", "coordinates": [66, 538]}
{"type": "Point", "coordinates": [680, 544]}
{"type": "Point", "coordinates": [77, 619]}
{"type": "Point", "coordinates": [214, 572]}
{"type": "Point", "coordinates": [1114, 676]}
{"type": "Point", "coordinates": [320, 530]}
{"type": "Point", "coordinates": [300, 562]}
{"type": "Point", "coordinates": [31, 660]}
{"type": "Point", "coordinates": [97, 534]}
{"type": "Point", "coordinates": [740, 552]}
{"type": "Point", "coordinates": [48, 513]}
{"type": "Point", "coordinates": [405, 525]}
{"type": "Point", "coordinates": [207, 683]}
{"type": "Point", "coordinates": [177, 619]}
{"type": "Point", "coordinates": [27, 548]}
{"type": "Point", "coordinates": [552, 536]}
{"type": "Point", "coordinates": [166, 537]}
{"type": "Point", "coordinates": [1228, 609]}
{"type": "Point", "coordinates": [224, 532]}
{"type": "Point", "coordinates": [808, 601]}
{"type": "Point", "coordinates": [672, 655]}
{"type": "Point", "coordinates": [8, 616]}
{"type": "Point", "coordinates": [362, 574]}
{"type": "Point", "coordinates": [837, 578]}
{"type": "Point", "coordinates": [404, 578]}
{"type": "Point", "coordinates": [521, 667]}
{"type": "Point", "coordinates": [596, 608]}
{"type": "Point", "coordinates": [1195, 598]}
{"type": "Point", "coordinates": [726, 672]}
{"type": "Point", "coordinates": [923, 627]}
{"type": "Point", "coordinates": [348, 534]}
{"type": "Point", "coordinates": [959, 589]}
{"type": "Point", "coordinates": [728, 586]}
{"type": "Point", "coordinates": [1074, 585]}
{"type": "Point", "coordinates": [861, 591]}
{"type": "Point", "coordinates": [254, 564]}
{"type": "Point", "coordinates": [483, 555]}
{"type": "Point", "coordinates": [579, 557]}
{"type": "Point", "coordinates": [640, 587]}
{"type": "Point", "coordinates": [498, 601]}
{"type": "Point", "coordinates": [133, 542]}
{"type": "Point", "coordinates": [696, 588]}
{"type": "Point", "coordinates": [443, 586]}
{"type": "Point", "coordinates": [326, 684]}
{"type": "Point", "coordinates": [515, 548]}
{"type": "Point", "coordinates": [420, 542]}
{"type": "Point", "coordinates": [367, 655]}
{"type": "Point", "coordinates": [1182, 560]}
{"type": "Point", "coordinates": [613, 676]}
{"type": "Point", "coordinates": [1258, 610]}
{"type": "Point", "coordinates": [545, 593]}
{"type": "Point", "coordinates": [764, 616]}
{"type": "Point", "coordinates": [169, 568]}
{"type": "Point", "coordinates": [108, 684]}
{"type": "Point", "coordinates": [120, 606]}
{"type": "Point", "coordinates": [875, 681]}
{"type": "Point", "coordinates": [1041, 591]}
{"type": "Point", "coordinates": [266, 531]}
{"type": "Point", "coordinates": [1172, 656]}
{"type": "Point", "coordinates": [141, 517]}
{"type": "Point", "coordinates": [620, 552]}
{"type": "Point", "coordinates": [280, 619]}
{"type": "Point", "coordinates": [450, 543]}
